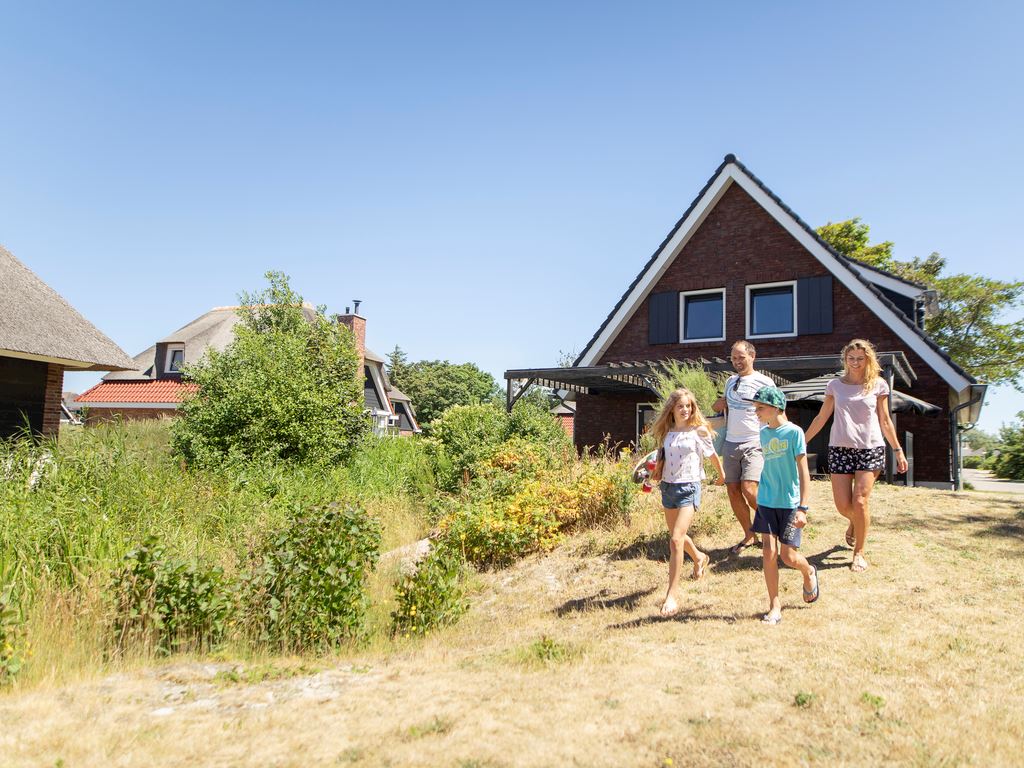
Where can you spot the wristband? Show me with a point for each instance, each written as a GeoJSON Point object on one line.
{"type": "Point", "coordinates": [802, 508]}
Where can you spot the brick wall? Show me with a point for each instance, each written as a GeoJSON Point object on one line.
{"type": "Point", "coordinates": [52, 399]}
{"type": "Point", "coordinates": [357, 325]}
{"type": "Point", "coordinates": [96, 416]}
{"type": "Point", "coordinates": [739, 244]}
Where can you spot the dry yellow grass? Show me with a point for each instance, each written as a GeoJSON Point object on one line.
{"type": "Point", "coordinates": [563, 661]}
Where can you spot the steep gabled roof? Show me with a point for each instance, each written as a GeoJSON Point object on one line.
{"type": "Point", "coordinates": [730, 172]}
{"type": "Point", "coordinates": [36, 323]}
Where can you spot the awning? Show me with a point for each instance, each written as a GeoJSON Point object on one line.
{"type": "Point", "coordinates": [813, 391]}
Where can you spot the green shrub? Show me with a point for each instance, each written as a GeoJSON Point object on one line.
{"type": "Point", "coordinates": [463, 436]}
{"type": "Point", "coordinates": [532, 422]}
{"type": "Point", "coordinates": [11, 635]}
{"type": "Point", "coordinates": [305, 589]}
{"type": "Point", "coordinates": [1010, 461]}
{"type": "Point", "coordinates": [287, 388]}
{"type": "Point", "coordinates": [433, 596]}
{"type": "Point", "coordinates": [974, 462]}
{"type": "Point", "coordinates": [168, 603]}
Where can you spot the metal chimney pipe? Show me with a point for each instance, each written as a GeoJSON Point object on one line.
{"type": "Point", "coordinates": [356, 303]}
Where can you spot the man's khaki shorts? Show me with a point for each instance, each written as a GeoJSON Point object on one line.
{"type": "Point", "coordinates": [743, 461]}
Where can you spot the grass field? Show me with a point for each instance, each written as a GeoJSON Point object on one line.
{"type": "Point", "coordinates": [563, 660]}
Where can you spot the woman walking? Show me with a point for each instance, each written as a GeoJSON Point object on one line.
{"type": "Point", "coordinates": [859, 402]}
{"type": "Point", "coordinates": [684, 440]}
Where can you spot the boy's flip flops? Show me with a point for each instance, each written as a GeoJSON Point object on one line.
{"type": "Point", "coordinates": [812, 596]}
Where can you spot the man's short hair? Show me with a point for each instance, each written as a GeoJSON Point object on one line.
{"type": "Point", "coordinates": [747, 347]}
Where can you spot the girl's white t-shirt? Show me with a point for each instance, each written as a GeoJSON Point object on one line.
{"type": "Point", "coordinates": [855, 419]}
{"type": "Point", "coordinates": [685, 452]}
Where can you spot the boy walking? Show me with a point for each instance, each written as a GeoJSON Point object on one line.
{"type": "Point", "coordinates": [782, 498]}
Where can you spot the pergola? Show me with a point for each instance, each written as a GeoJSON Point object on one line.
{"type": "Point", "coordinates": [638, 377]}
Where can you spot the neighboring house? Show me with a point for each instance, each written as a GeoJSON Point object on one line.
{"type": "Point", "coordinates": [41, 336]}
{"type": "Point", "coordinates": [154, 387]}
{"type": "Point", "coordinates": [565, 414]}
{"type": "Point", "coordinates": [740, 264]}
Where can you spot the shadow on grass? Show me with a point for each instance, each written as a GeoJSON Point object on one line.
{"type": "Point", "coordinates": [601, 601]}
{"type": "Point", "coordinates": [655, 547]}
{"type": "Point", "coordinates": [685, 616]}
{"type": "Point", "coordinates": [1006, 521]}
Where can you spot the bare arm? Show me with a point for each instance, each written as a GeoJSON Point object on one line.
{"type": "Point", "coordinates": [720, 405]}
{"type": "Point", "coordinates": [716, 462]}
{"type": "Point", "coordinates": [805, 489]}
{"type": "Point", "coordinates": [827, 408]}
{"type": "Point", "coordinates": [889, 431]}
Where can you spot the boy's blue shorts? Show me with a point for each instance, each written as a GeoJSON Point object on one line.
{"type": "Point", "coordinates": [676, 495]}
{"type": "Point", "coordinates": [777, 522]}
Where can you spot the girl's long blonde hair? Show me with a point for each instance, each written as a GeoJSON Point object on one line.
{"type": "Point", "coordinates": [872, 370]}
{"type": "Point", "coordinates": [665, 421]}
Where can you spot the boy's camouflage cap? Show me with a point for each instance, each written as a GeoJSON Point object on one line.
{"type": "Point", "coordinates": [770, 396]}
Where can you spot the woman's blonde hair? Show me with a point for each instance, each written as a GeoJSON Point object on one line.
{"type": "Point", "coordinates": [665, 421]}
{"type": "Point", "coordinates": [872, 370]}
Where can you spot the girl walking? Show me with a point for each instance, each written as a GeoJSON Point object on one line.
{"type": "Point", "coordinates": [684, 440]}
{"type": "Point", "coordinates": [859, 401]}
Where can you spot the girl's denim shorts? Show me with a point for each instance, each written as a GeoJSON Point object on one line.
{"type": "Point", "coordinates": [676, 495]}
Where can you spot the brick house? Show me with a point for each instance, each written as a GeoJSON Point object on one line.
{"type": "Point", "coordinates": [153, 387]}
{"type": "Point", "coordinates": [41, 336]}
{"type": "Point", "coordinates": [740, 264]}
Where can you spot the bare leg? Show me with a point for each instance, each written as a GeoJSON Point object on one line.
{"type": "Point", "coordinates": [792, 557]}
{"type": "Point", "coordinates": [678, 521]}
{"type": "Point", "coordinates": [842, 493]}
{"type": "Point", "coordinates": [770, 554]}
{"type": "Point", "coordinates": [861, 517]}
{"type": "Point", "coordinates": [742, 501]}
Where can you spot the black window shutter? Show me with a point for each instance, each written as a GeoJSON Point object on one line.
{"type": "Point", "coordinates": [663, 318]}
{"type": "Point", "coordinates": [814, 304]}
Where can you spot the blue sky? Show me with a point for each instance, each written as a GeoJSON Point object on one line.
{"type": "Point", "coordinates": [486, 178]}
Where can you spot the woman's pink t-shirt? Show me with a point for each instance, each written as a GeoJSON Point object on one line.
{"type": "Point", "coordinates": [855, 419]}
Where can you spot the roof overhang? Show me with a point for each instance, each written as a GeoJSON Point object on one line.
{"type": "Point", "coordinates": [80, 365]}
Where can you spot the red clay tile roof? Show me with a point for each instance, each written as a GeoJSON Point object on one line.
{"type": "Point", "coordinates": [155, 391]}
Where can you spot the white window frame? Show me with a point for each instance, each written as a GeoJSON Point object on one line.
{"type": "Point", "coordinates": [682, 315]}
{"type": "Point", "coordinates": [750, 314]}
{"type": "Point", "coordinates": [168, 356]}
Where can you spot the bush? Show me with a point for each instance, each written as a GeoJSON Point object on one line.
{"type": "Point", "coordinates": [1009, 462]}
{"type": "Point", "coordinates": [435, 386]}
{"type": "Point", "coordinates": [432, 596]}
{"type": "Point", "coordinates": [287, 388]}
{"type": "Point", "coordinates": [305, 589]}
{"type": "Point", "coordinates": [464, 436]}
{"type": "Point", "coordinates": [168, 603]}
{"type": "Point", "coordinates": [11, 632]}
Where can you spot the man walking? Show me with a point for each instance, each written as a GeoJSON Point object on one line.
{"type": "Point", "coordinates": [743, 459]}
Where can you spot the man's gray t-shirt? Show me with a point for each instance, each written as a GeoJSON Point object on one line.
{"type": "Point", "coordinates": [742, 425]}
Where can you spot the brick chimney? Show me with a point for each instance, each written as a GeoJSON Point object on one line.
{"type": "Point", "coordinates": [357, 324]}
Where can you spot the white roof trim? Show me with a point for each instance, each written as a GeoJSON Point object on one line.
{"type": "Point", "coordinates": [731, 173]}
{"type": "Point", "coordinates": [888, 282]}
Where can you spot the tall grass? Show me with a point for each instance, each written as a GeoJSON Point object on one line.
{"type": "Point", "coordinates": [71, 510]}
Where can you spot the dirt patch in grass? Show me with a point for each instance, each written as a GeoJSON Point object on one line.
{"type": "Point", "coordinates": [563, 659]}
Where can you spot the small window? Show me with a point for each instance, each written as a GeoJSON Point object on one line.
{"type": "Point", "coordinates": [771, 309]}
{"type": "Point", "coordinates": [703, 315]}
{"type": "Point", "coordinates": [175, 358]}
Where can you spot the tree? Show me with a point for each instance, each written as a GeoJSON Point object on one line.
{"type": "Point", "coordinates": [436, 385]}
{"type": "Point", "coordinates": [286, 388]}
{"type": "Point", "coordinates": [398, 364]}
{"type": "Point", "coordinates": [970, 323]}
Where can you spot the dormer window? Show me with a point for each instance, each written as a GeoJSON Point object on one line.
{"type": "Point", "coordinates": [175, 357]}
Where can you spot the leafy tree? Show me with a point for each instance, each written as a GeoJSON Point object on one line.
{"type": "Point", "coordinates": [1010, 461]}
{"type": "Point", "coordinates": [436, 385]}
{"type": "Point", "coordinates": [286, 388]}
{"type": "Point", "coordinates": [980, 440]}
{"type": "Point", "coordinates": [970, 323]}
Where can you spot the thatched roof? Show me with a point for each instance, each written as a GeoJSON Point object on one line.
{"type": "Point", "coordinates": [214, 329]}
{"type": "Point", "coordinates": [37, 323]}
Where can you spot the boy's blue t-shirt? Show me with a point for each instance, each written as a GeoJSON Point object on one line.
{"type": "Point", "coordinates": [780, 482]}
